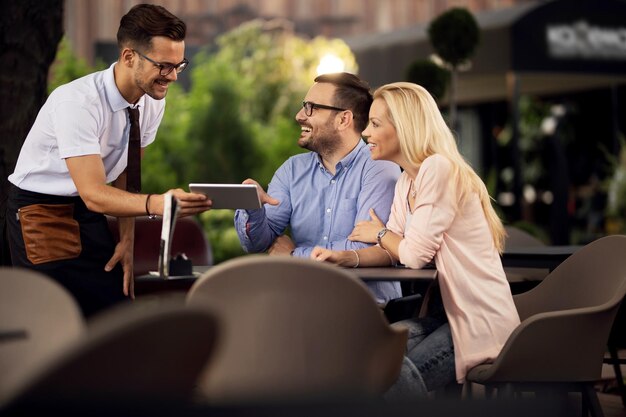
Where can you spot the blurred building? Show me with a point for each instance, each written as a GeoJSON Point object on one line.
{"type": "Point", "coordinates": [569, 55]}
{"type": "Point", "coordinates": [89, 23]}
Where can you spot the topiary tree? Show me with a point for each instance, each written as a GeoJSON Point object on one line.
{"type": "Point", "coordinates": [454, 35]}
{"type": "Point", "coordinates": [430, 76]}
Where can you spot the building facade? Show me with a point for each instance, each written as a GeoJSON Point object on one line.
{"type": "Point", "coordinates": [92, 22]}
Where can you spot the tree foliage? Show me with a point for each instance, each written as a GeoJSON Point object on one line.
{"type": "Point", "coordinates": [616, 191]}
{"type": "Point", "coordinates": [455, 35]}
{"type": "Point", "coordinates": [68, 67]}
{"type": "Point", "coordinates": [430, 76]}
{"type": "Point", "coordinates": [237, 119]}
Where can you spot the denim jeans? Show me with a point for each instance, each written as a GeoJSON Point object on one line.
{"type": "Point", "coordinates": [429, 361]}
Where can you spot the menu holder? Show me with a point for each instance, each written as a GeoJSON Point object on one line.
{"type": "Point", "coordinates": [170, 215]}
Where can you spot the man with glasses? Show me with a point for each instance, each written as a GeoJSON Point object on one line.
{"type": "Point", "coordinates": [81, 160]}
{"type": "Point", "coordinates": [322, 194]}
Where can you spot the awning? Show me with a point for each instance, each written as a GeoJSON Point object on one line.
{"type": "Point", "coordinates": [553, 47]}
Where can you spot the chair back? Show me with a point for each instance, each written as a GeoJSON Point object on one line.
{"type": "Point", "coordinates": [519, 237]}
{"type": "Point", "coordinates": [38, 318]}
{"type": "Point", "coordinates": [189, 238]}
{"type": "Point", "coordinates": [521, 278]}
{"type": "Point", "coordinates": [132, 354]}
{"type": "Point", "coordinates": [295, 328]}
{"type": "Point", "coordinates": [592, 276]}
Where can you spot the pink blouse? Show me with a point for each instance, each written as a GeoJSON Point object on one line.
{"type": "Point", "coordinates": [474, 288]}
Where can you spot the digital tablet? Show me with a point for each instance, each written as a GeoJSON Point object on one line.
{"type": "Point", "coordinates": [229, 196]}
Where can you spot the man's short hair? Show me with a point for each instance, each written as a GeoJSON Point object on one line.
{"type": "Point", "coordinates": [352, 93]}
{"type": "Point", "coordinates": [143, 22]}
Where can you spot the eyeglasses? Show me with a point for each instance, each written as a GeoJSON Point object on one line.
{"type": "Point", "coordinates": [308, 107]}
{"type": "Point", "coordinates": [166, 69]}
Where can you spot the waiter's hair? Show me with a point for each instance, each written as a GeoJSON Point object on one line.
{"type": "Point", "coordinates": [143, 22]}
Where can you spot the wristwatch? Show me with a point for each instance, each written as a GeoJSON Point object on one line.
{"type": "Point", "coordinates": [380, 235]}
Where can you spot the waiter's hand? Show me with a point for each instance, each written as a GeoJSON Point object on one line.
{"type": "Point", "coordinates": [189, 203]}
{"type": "Point", "coordinates": [124, 254]}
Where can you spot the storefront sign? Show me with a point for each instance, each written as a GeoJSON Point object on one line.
{"type": "Point", "coordinates": [586, 41]}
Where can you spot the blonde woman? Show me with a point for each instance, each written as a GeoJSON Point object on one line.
{"type": "Point", "coordinates": [441, 211]}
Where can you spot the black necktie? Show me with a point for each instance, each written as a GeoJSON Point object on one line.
{"type": "Point", "coordinates": [133, 168]}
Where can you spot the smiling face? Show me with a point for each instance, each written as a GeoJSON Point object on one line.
{"type": "Point", "coordinates": [318, 132]}
{"type": "Point", "coordinates": [147, 77]}
{"type": "Point", "coordinates": [381, 135]}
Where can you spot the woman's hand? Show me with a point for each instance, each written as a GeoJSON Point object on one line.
{"type": "Point", "coordinates": [367, 230]}
{"type": "Point", "coordinates": [338, 257]}
{"type": "Point", "coordinates": [321, 254]}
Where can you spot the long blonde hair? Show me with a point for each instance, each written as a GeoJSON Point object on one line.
{"type": "Point", "coordinates": [423, 132]}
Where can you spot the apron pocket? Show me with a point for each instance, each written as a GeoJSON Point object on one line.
{"type": "Point", "coordinates": [50, 232]}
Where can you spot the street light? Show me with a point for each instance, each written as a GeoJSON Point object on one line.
{"type": "Point", "coordinates": [330, 63]}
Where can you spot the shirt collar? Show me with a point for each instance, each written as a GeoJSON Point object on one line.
{"type": "Point", "coordinates": [347, 160]}
{"type": "Point", "coordinates": [115, 98]}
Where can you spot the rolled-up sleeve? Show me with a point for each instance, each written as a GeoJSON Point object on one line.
{"type": "Point", "coordinates": [257, 229]}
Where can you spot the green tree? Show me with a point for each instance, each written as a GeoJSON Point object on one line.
{"type": "Point", "coordinates": [273, 70]}
{"type": "Point", "coordinates": [237, 120]}
{"type": "Point", "coordinates": [166, 161]}
{"type": "Point", "coordinates": [68, 67]}
{"type": "Point", "coordinates": [240, 108]}
{"type": "Point", "coordinates": [222, 234]}
{"type": "Point", "coordinates": [454, 35]}
{"type": "Point", "coordinates": [615, 186]}
{"type": "Point", "coordinates": [222, 141]}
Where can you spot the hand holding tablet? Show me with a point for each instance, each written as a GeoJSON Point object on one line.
{"type": "Point", "coordinates": [229, 196]}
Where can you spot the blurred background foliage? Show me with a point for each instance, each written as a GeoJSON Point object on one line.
{"type": "Point", "coordinates": [236, 121]}
{"type": "Point", "coordinates": [615, 186]}
{"type": "Point", "coordinates": [67, 66]}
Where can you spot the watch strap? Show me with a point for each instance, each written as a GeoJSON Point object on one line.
{"type": "Point", "coordinates": [380, 235]}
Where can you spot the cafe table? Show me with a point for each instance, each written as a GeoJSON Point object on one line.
{"type": "Point", "coordinates": [395, 273]}
{"type": "Point", "coordinates": [150, 284]}
{"type": "Point", "coordinates": [547, 257]}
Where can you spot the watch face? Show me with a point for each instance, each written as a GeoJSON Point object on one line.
{"type": "Point", "coordinates": [380, 236]}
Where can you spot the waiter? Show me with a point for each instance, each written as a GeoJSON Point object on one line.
{"type": "Point", "coordinates": [81, 160]}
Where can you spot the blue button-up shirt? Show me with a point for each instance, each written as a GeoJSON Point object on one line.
{"type": "Point", "coordinates": [320, 208]}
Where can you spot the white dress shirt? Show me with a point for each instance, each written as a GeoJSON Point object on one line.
{"type": "Point", "coordinates": [84, 117]}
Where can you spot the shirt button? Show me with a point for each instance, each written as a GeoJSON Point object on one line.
{"type": "Point", "coordinates": [327, 210]}
{"type": "Point", "coordinates": [325, 237]}
{"type": "Point", "coordinates": [333, 181]}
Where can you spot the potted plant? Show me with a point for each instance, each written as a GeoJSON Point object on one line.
{"type": "Point", "coordinates": [616, 193]}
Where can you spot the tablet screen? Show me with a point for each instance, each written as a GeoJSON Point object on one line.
{"type": "Point", "coordinates": [229, 196]}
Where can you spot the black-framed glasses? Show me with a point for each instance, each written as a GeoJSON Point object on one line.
{"type": "Point", "coordinates": [166, 69]}
{"type": "Point", "coordinates": [308, 107]}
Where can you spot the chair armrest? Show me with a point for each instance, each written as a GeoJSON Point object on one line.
{"type": "Point", "coordinates": [572, 342]}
